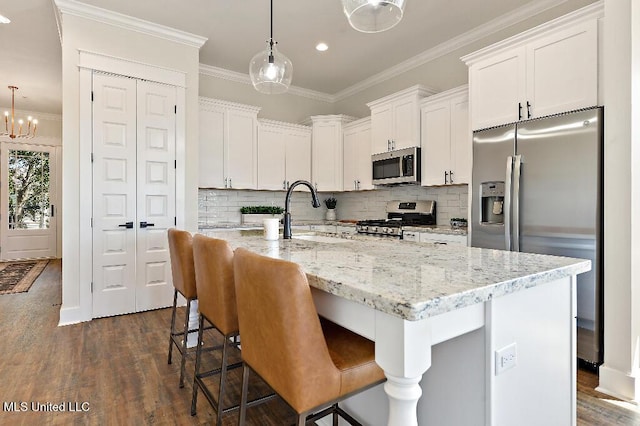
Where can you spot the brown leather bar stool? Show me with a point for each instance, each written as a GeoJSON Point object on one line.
{"type": "Point", "coordinates": [184, 282]}
{"type": "Point", "coordinates": [213, 260]}
{"type": "Point", "coordinates": [310, 362]}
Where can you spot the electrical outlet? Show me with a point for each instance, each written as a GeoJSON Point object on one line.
{"type": "Point", "coordinates": [506, 358]}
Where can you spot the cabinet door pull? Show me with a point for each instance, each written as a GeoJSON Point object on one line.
{"type": "Point", "coordinates": [225, 182]}
{"type": "Point", "coordinates": [287, 184]}
{"type": "Point", "coordinates": [388, 144]}
{"type": "Point", "coordinates": [357, 184]}
{"type": "Point", "coordinates": [450, 176]}
{"type": "Point", "coordinates": [128, 225]}
{"type": "Point", "coordinates": [519, 111]}
{"type": "Point", "coordinates": [146, 224]}
{"type": "Point", "coordinates": [446, 175]}
{"type": "Point", "coordinates": [230, 183]}
{"type": "Point", "coordinates": [528, 110]}
{"type": "Point", "coordinates": [284, 184]}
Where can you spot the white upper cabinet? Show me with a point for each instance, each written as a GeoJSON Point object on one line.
{"type": "Point", "coordinates": [327, 151]}
{"type": "Point", "coordinates": [227, 156]}
{"type": "Point", "coordinates": [550, 69]}
{"type": "Point", "coordinates": [284, 154]}
{"type": "Point", "coordinates": [395, 120]}
{"type": "Point", "coordinates": [446, 138]}
{"type": "Point", "coordinates": [357, 155]}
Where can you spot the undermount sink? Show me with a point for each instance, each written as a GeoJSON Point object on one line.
{"type": "Point", "coordinates": [320, 238]}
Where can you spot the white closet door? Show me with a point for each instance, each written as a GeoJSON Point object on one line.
{"type": "Point", "coordinates": [114, 195]}
{"type": "Point", "coordinates": [156, 193]}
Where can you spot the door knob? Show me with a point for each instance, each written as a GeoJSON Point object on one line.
{"type": "Point", "coordinates": [127, 225]}
{"type": "Point", "coordinates": [145, 224]}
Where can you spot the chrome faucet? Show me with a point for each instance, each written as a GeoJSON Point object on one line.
{"type": "Point", "coordinates": [286, 233]}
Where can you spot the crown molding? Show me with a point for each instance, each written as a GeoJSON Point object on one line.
{"type": "Point", "coordinates": [75, 8]}
{"type": "Point", "coordinates": [502, 22]}
{"type": "Point", "coordinates": [587, 13]}
{"type": "Point", "coordinates": [212, 102]}
{"type": "Point", "coordinates": [495, 25]}
{"type": "Point", "coordinates": [283, 125]}
{"type": "Point", "coordinates": [238, 77]}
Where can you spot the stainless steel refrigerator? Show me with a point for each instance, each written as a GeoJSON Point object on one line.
{"type": "Point", "coordinates": [537, 188]}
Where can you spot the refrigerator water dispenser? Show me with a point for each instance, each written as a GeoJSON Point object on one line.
{"type": "Point", "coordinates": [492, 202]}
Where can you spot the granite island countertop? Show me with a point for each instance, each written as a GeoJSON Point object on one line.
{"type": "Point", "coordinates": [410, 280]}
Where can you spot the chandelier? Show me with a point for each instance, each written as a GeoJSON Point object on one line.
{"type": "Point", "coordinates": [373, 16]}
{"type": "Point", "coordinates": [31, 125]}
{"type": "Point", "coordinates": [270, 70]}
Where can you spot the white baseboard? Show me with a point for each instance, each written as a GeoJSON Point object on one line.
{"type": "Point", "coordinates": [619, 384]}
{"type": "Point", "coordinates": [71, 315]}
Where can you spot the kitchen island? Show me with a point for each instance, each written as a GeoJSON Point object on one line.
{"type": "Point", "coordinates": [512, 314]}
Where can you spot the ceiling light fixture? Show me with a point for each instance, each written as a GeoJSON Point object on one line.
{"type": "Point", "coordinates": [322, 47]}
{"type": "Point", "coordinates": [4, 19]}
{"type": "Point", "coordinates": [373, 16]}
{"type": "Point", "coordinates": [270, 70]}
{"type": "Point", "coordinates": [31, 123]}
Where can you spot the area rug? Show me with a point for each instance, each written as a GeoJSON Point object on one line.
{"type": "Point", "coordinates": [17, 277]}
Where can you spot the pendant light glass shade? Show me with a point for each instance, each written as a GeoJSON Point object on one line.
{"type": "Point", "coordinates": [373, 16]}
{"type": "Point", "coordinates": [271, 71]}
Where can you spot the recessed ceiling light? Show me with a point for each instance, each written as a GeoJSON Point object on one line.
{"type": "Point", "coordinates": [4, 19]}
{"type": "Point", "coordinates": [321, 47]}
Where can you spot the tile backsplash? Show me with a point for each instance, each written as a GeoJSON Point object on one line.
{"type": "Point", "coordinates": [216, 206]}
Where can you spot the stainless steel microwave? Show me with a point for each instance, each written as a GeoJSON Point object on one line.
{"type": "Point", "coordinates": [401, 166]}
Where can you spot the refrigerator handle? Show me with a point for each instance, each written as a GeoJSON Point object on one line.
{"type": "Point", "coordinates": [507, 204]}
{"type": "Point", "coordinates": [515, 202]}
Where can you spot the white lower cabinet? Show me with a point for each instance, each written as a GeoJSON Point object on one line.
{"type": "Point", "coordinates": [284, 154]}
{"type": "Point", "coordinates": [435, 238]}
{"type": "Point", "coordinates": [450, 239]}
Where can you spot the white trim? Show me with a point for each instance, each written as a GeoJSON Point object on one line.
{"type": "Point", "coordinates": [130, 68]}
{"type": "Point", "coordinates": [624, 383]}
{"type": "Point", "coordinates": [283, 125]}
{"type": "Point", "coordinates": [181, 158]}
{"type": "Point", "coordinates": [97, 14]}
{"type": "Point", "coordinates": [56, 13]}
{"type": "Point", "coordinates": [357, 123]}
{"type": "Point", "coordinates": [493, 26]}
{"type": "Point", "coordinates": [238, 77]}
{"type": "Point", "coordinates": [587, 13]}
{"type": "Point", "coordinates": [460, 90]}
{"type": "Point", "coordinates": [204, 102]}
{"type": "Point", "coordinates": [417, 90]}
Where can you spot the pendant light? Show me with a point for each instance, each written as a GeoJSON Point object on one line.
{"type": "Point", "coordinates": [270, 70]}
{"type": "Point", "coordinates": [373, 16]}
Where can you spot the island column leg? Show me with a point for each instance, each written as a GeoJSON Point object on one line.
{"type": "Point", "coordinates": [403, 394]}
{"type": "Point", "coordinates": [403, 351]}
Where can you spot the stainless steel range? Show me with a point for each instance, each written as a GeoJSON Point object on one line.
{"type": "Point", "coordinates": [399, 214]}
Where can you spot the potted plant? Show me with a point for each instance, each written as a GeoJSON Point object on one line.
{"type": "Point", "coordinates": [331, 203]}
{"type": "Point", "coordinates": [255, 214]}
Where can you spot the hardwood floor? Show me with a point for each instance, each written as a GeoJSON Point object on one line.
{"type": "Point", "coordinates": [118, 366]}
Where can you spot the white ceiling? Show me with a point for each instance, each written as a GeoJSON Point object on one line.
{"type": "Point", "coordinates": [237, 29]}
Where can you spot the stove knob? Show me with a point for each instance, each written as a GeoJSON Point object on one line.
{"type": "Point", "coordinates": [374, 229]}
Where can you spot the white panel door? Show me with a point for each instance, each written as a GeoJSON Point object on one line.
{"type": "Point", "coordinates": [562, 71]}
{"type": "Point", "coordinates": [241, 150]}
{"type": "Point", "coordinates": [406, 127]}
{"type": "Point", "coordinates": [297, 157]}
{"type": "Point", "coordinates": [155, 193]}
{"type": "Point", "coordinates": [114, 195]}
{"type": "Point", "coordinates": [461, 146]}
{"type": "Point", "coordinates": [498, 85]}
{"type": "Point", "coordinates": [271, 158]}
{"type": "Point", "coordinates": [28, 188]}
{"type": "Point", "coordinates": [436, 136]}
{"type": "Point", "coordinates": [381, 128]}
{"type": "Point", "coordinates": [211, 147]}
